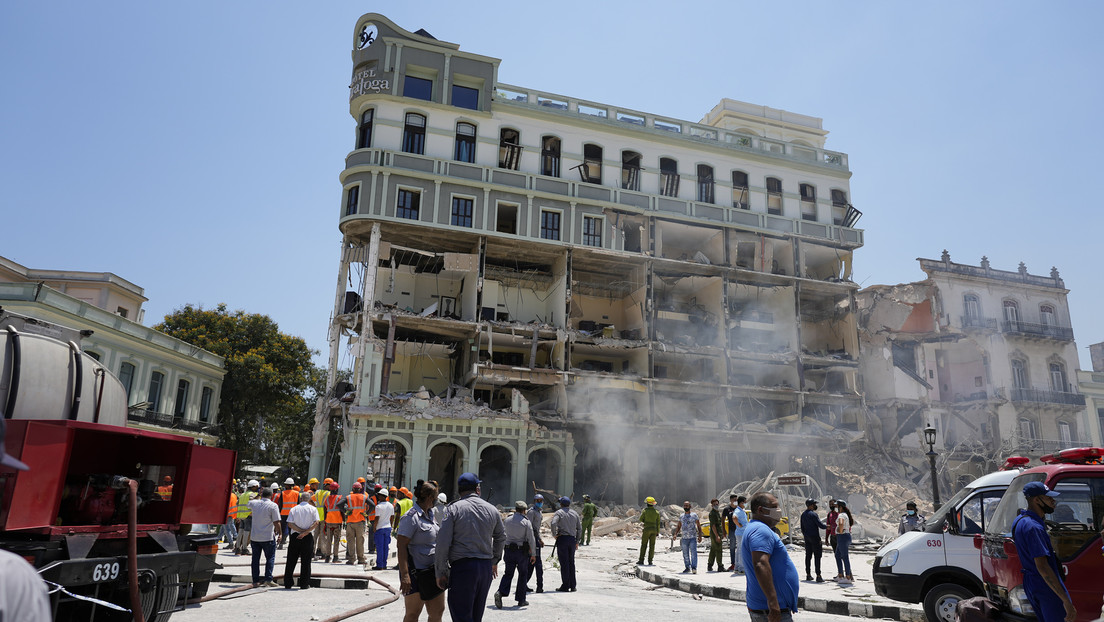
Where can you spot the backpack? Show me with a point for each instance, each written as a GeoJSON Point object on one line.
{"type": "Point", "coordinates": [976, 609]}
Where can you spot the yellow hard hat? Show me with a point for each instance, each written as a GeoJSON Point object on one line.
{"type": "Point", "coordinates": [313, 480]}
{"type": "Point", "coordinates": [650, 501]}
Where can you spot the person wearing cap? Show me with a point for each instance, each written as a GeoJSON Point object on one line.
{"type": "Point", "coordinates": [535, 518]}
{"type": "Point", "coordinates": [416, 546]}
{"type": "Point", "coordinates": [439, 508]}
{"type": "Point", "coordinates": [384, 523]}
{"type": "Point", "coordinates": [301, 521]}
{"type": "Point", "coordinates": [911, 520]}
{"type": "Point", "coordinates": [332, 528]}
{"type": "Point", "coordinates": [810, 531]}
{"type": "Point", "coordinates": [469, 547]}
{"type": "Point", "coordinates": [653, 522]}
{"type": "Point", "coordinates": [590, 511]}
{"type": "Point", "coordinates": [23, 595]}
{"type": "Point", "coordinates": [262, 536]}
{"type": "Point", "coordinates": [1042, 575]}
{"type": "Point", "coordinates": [245, 516]}
{"type": "Point", "coordinates": [406, 501]}
{"type": "Point", "coordinates": [772, 580]}
{"type": "Point", "coordinates": [521, 548]}
{"type": "Point", "coordinates": [353, 506]}
{"type": "Point", "coordinates": [165, 489]}
{"type": "Point", "coordinates": [567, 527]}
{"type": "Point", "coordinates": [689, 528]}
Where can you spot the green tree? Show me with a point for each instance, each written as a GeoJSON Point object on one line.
{"type": "Point", "coordinates": [266, 408]}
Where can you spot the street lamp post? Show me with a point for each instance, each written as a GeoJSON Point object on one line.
{"type": "Point", "coordinates": [929, 438]}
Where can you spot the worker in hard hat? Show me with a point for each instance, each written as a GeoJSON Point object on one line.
{"type": "Point", "coordinates": [406, 501]}
{"type": "Point", "coordinates": [355, 523]}
{"type": "Point", "coordinates": [333, 527]}
{"type": "Point", "coordinates": [245, 516]}
{"type": "Point", "coordinates": [590, 511]}
{"type": "Point", "coordinates": [318, 500]}
{"type": "Point", "coordinates": [652, 523]}
{"type": "Point", "coordinates": [288, 499]}
{"type": "Point", "coordinates": [165, 489]}
{"type": "Point", "coordinates": [229, 531]}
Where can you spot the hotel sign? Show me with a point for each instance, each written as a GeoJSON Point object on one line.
{"type": "Point", "coordinates": [793, 480]}
{"type": "Point", "coordinates": [365, 82]}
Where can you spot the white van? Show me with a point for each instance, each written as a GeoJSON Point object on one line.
{"type": "Point", "coordinates": [940, 565]}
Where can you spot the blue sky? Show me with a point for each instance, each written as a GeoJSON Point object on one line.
{"type": "Point", "coordinates": [194, 148]}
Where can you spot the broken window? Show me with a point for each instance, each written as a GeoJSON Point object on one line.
{"type": "Point", "coordinates": [414, 134]}
{"type": "Point", "coordinates": [668, 177]}
{"type": "Point", "coordinates": [630, 170]}
{"type": "Point", "coordinates": [465, 97]}
{"type": "Point", "coordinates": [465, 143]}
{"type": "Point", "coordinates": [550, 156]}
{"type": "Point", "coordinates": [506, 218]}
{"type": "Point", "coordinates": [740, 198]}
{"type": "Point", "coordinates": [418, 88]}
{"type": "Point", "coordinates": [352, 200]}
{"type": "Point", "coordinates": [462, 208]}
{"type": "Point", "coordinates": [407, 204]}
{"type": "Point", "coordinates": [509, 148]}
{"type": "Point", "coordinates": [839, 198]}
{"type": "Point", "coordinates": [904, 356]}
{"type": "Point", "coordinates": [590, 170]}
{"type": "Point", "coordinates": [705, 183]}
{"type": "Point", "coordinates": [592, 231]}
{"type": "Point", "coordinates": [364, 130]}
{"type": "Point", "coordinates": [550, 225]}
{"type": "Point", "coordinates": [774, 196]}
{"type": "Point", "coordinates": [808, 202]}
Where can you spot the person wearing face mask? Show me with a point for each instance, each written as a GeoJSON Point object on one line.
{"type": "Point", "coordinates": [844, 523]}
{"type": "Point", "coordinates": [652, 524]}
{"type": "Point", "coordinates": [689, 527]}
{"type": "Point", "coordinates": [535, 517]}
{"type": "Point", "coordinates": [810, 532]}
{"type": "Point", "coordinates": [772, 580]}
{"type": "Point", "coordinates": [716, 533]}
{"type": "Point", "coordinates": [1042, 579]}
{"type": "Point", "coordinates": [911, 520]}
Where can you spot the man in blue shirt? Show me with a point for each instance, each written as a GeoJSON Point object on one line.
{"type": "Point", "coordinates": [772, 580]}
{"type": "Point", "coordinates": [1042, 579]}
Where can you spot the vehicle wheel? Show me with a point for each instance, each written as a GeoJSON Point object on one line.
{"type": "Point", "coordinates": [940, 601]}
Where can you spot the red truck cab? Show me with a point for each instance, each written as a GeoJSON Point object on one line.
{"type": "Point", "coordinates": [1074, 528]}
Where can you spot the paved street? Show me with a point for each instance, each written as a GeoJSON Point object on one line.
{"type": "Point", "coordinates": [608, 587]}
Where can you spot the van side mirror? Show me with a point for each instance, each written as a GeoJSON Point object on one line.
{"type": "Point", "coordinates": [950, 526]}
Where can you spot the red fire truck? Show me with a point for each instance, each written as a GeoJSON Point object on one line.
{"type": "Point", "coordinates": [1074, 528]}
{"type": "Point", "coordinates": [105, 512]}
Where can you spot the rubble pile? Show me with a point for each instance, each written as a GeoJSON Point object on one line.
{"type": "Point", "coordinates": [458, 404]}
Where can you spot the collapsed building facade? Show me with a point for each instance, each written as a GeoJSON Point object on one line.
{"type": "Point", "coordinates": [985, 356]}
{"type": "Point", "coordinates": [574, 296]}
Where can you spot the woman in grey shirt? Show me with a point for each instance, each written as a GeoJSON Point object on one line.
{"type": "Point", "coordinates": [416, 538]}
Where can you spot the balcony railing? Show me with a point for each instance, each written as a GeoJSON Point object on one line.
{"type": "Point", "coordinates": [164, 420]}
{"type": "Point", "coordinates": [974, 321]}
{"type": "Point", "coordinates": [1041, 396]}
{"type": "Point", "coordinates": [1049, 331]}
{"type": "Point", "coordinates": [1043, 445]}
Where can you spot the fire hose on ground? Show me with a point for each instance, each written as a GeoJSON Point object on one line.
{"type": "Point", "coordinates": [394, 595]}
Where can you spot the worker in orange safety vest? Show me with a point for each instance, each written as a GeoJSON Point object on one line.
{"type": "Point", "coordinates": [332, 528]}
{"type": "Point", "coordinates": [355, 521]}
{"type": "Point", "coordinates": [289, 498]}
{"type": "Point", "coordinates": [165, 489]}
{"type": "Point", "coordinates": [318, 500]}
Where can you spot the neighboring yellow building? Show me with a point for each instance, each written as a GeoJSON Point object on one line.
{"type": "Point", "coordinates": [172, 386]}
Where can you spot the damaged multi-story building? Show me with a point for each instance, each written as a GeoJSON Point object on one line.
{"type": "Point", "coordinates": [985, 356]}
{"type": "Point", "coordinates": [575, 296]}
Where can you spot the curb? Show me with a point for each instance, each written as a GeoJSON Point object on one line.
{"type": "Point", "coordinates": [818, 605]}
{"type": "Point", "coordinates": [335, 584]}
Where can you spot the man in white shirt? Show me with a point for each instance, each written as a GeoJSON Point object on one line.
{"type": "Point", "coordinates": [301, 520]}
{"type": "Point", "coordinates": [385, 512]}
{"type": "Point", "coordinates": [262, 537]}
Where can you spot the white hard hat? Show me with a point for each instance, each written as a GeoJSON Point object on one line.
{"type": "Point", "coordinates": [442, 498]}
{"type": "Point", "coordinates": [289, 481]}
{"type": "Point", "coordinates": [275, 486]}
{"type": "Point", "coordinates": [253, 483]}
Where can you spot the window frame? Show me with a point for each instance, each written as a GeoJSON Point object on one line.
{"type": "Point", "coordinates": [352, 200]}
{"type": "Point", "coordinates": [155, 404]}
{"type": "Point", "coordinates": [364, 129]}
{"type": "Point", "coordinates": [630, 175]}
{"type": "Point", "coordinates": [452, 96]}
{"type": "Point", "coordinates": [544, 227]}
{"type": "Point", "coordinates": [509, 154]}
{"type": "Point", "coordinates": [775, 194]}
{"type": "Point", "coordinates": [1020, 377]}
{"type": "Point", "coordinates": [180, 404]}
{"type": "Point", "coordinates": [550, 158]}
{"type": "Point", "coordinates": [592, 238]}
{"type": "Point", "coordinates": [743, 189]}
{"type": "Point", "coordinates": [206, 396]}
{"type": "Point", "coordinates": [707, 184]}
{"type": "Point", "coordinates": [417, 80]}
{"type": "Point", "coordinates": [668, 177]}
{"type": "Point", "coordinates": [592, 164]}
{"type": "Point", "coordinates": [457, 219]}
{"type": "Point", "coordinates": [403, 211]}
{"type": "Point", "coordinates": [414, 136]}
{"type": "Point", "coordinates": [129, 383]}
{"type": "Point", "coordinates": [467, 140]}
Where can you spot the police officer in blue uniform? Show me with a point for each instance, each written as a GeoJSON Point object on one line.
{"type": "Point", "coordinates": [1042, 577]}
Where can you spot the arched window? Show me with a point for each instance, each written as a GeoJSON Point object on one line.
{"type": "Point", "coordinates": [550, 156]}
{"type": "Point", "coordinates": [1012, 314]}
{"type": "Point", "coordinates": [1027, 429]}
{"type": "Point", "coordinates": [465, 142]}
{"type": "Point", "coordinates": [1019, 374]}
{"type": "Point", "coordinates": [705, 183]}
{"type": "Point", "coordinates": [181, 399]}
{"type": "Point", "coordinates": [126, 376]}
{"type": "Point", "coordinates": [205, 404]}
{"type": "Point", "coordinates": [774, 196]}
{"type": "Point", "coordinates": [630, 170]}
{"type": "Point", "coordinates": [1058, 380]}
{"type": "Point", "coordinates": [808, 202]}
{"type": "Point", "coordinates": [668, 177]}
{"type": "Point", "coordinates": [591, 169]}
{"type": "Point", "coordinates": [364, 130]}
{"type": "Point", "coordinates": [1065, 434]}
{"type": "Point", "coordinates": [740, 197]}
{"type": "Point", "coordinates": [154, 395]}
{"type": "Point", "coordinates": [414, 134]}
{"type": "Point", "coordinates": [509, 148]}
{"type": "Point", "coordinates": [1046, 315]}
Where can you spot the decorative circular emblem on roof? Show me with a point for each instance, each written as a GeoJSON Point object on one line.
{"type": "Point", "coordinates": [367, 36]}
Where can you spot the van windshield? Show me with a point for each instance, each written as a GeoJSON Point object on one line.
{"type": "Point", "coordinates": [1010, 505]}
{"type": "Point", "coordinates": [934, 523]}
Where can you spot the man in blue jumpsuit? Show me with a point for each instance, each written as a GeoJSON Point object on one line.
{"type": "Point", "coordinates": [1042, 579]}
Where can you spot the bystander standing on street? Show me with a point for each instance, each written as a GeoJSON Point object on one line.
{"type": "Point", "coordinates": [262, 537]}
{"type": "Point", "coordinates": [520, 552]}
{"type": "Point", "coordinates": [385, 520]}
{"type": "Point", "coordinates": [833, 514]}
{"type": "Point", "coordinates": [416, 545]}
{"type": "Point", "coordinates": [689, 533]}
{"type": "Point", "coordinates": [652, 523]}
{"type": "Point", "coordinates": [301, 521]}
{"type": "Point", "coordinates": [911, 520]}
{"type": "Point", "coordinates": [844, 523]}
{"type": "Point", "coordinates": [716, 537]}
{"type": "Point", "coordinates": [469, 547]}
{"type": "Point", "coordinates": [738, 522]}
{"type": "Point", "coordinates": [810, 532]}
{"type": "Point", "coordinates": [245, 516]}
{"type": "Point", "coordinates": [567, 527]}
{"type": "Point", "coordinates": [334, 525]}
{"type": "Point", "coordinates": [1042, 575]}
{"type": "Point", "coordinates": [772, 580]}
{"type": "Point", "coordinates": [590, 511]}
{"type": "Point", "coordinates": [535, 518]}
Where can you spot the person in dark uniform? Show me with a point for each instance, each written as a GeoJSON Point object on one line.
{"type": "Point", "coordinates": [590, 511]}
{"type": "Point", "coordinates": [1042, 575]}
{"type": "Point", "coordinates": [567, 526]}
{"type": "Point", "coordinates": [911, 520]}
{"type": "Point", "coordinates": [469, 547]}
{"type": "Point", "coordinates": [535, 517]}
{"type": "Point", "coordinates": [810, 531]}
{"type": "Point", "coordinates": [521, 547]}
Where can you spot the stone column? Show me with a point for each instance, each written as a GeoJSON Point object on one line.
{"type": "Point", "coordinates": [520, 486]}
{"type": "Point", "coordinates": [630, 494]}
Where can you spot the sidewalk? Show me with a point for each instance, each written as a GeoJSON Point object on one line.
{"type": "Point", "coordinates": [235, 569]}
{"type": "Point", "coordinates": [858, 599]}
